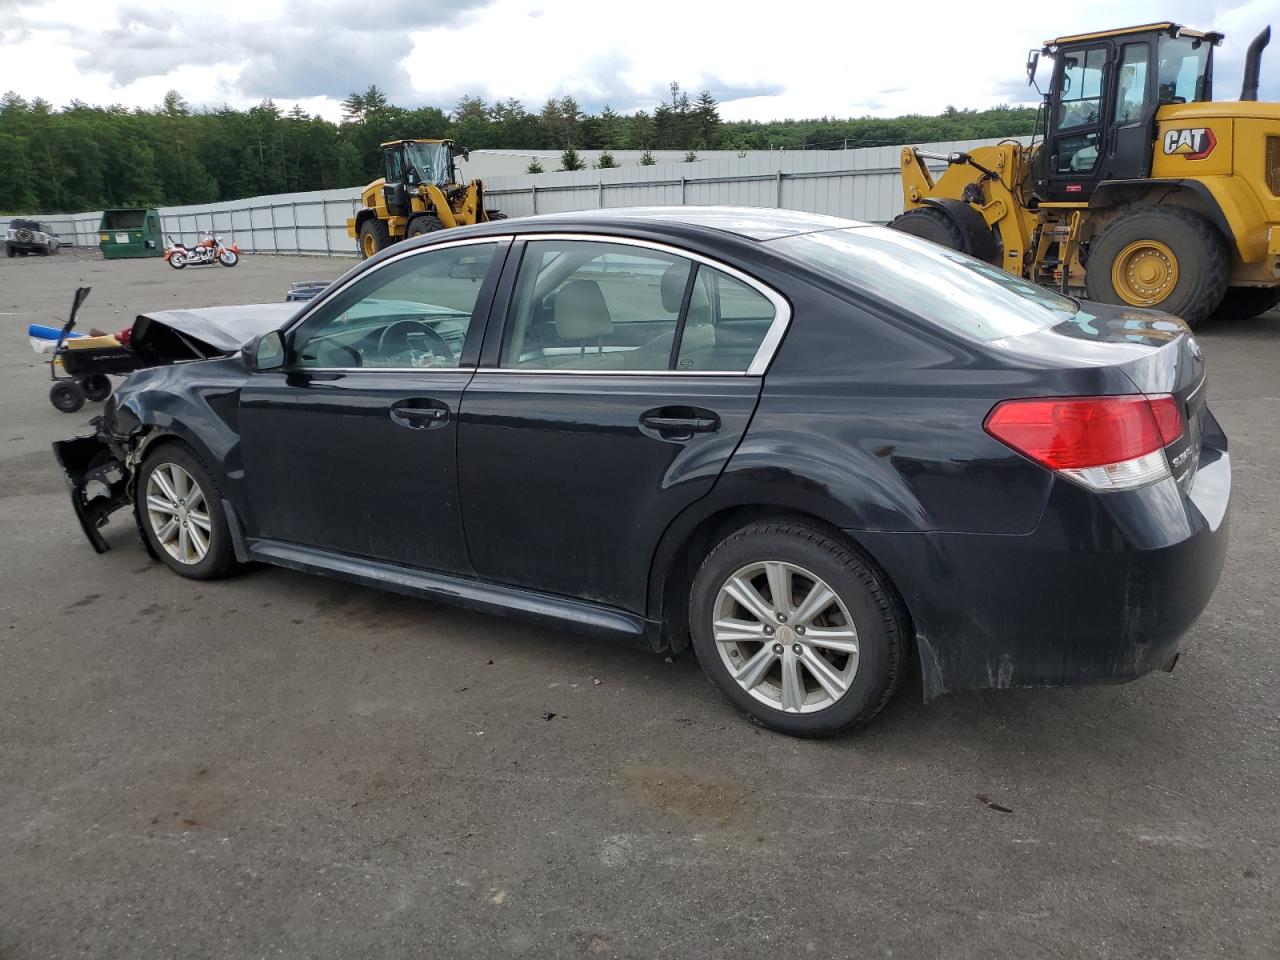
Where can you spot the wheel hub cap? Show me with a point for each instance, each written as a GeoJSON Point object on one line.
{"type": "Point", "coordinates": [785, 637]}
{"type": "Point", "coordinates": [1145, 273]}
{"type": "Point", "coordinates": [178, 513]}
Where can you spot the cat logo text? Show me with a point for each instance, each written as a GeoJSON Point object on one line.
{"type": "Point", "coordinates": [1194, 143]}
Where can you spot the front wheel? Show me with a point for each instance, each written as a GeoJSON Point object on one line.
{"type": "Point", "coordinates": [228, 258]}
{"type": "Point", "coordinates": [66, 396]}
{"type": "Point", "coordinates": [180, 510]}
{"type": "Point", "coordinates": [796, 629]}
{"type": "Point", "coordinates": [96, 386]}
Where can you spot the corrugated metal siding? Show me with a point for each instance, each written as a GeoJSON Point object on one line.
{"type": "Point", "coordinates": [859, 184]}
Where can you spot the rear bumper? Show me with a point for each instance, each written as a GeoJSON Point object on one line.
{"type": "Point", "coordinates": [1101, 591]}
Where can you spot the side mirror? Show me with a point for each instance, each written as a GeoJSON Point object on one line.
{"type": "Point", "coordinates": [466, 154]}
{"type": "Point", "coordinates": [1033, 61]}
{"type": "Point", "coordinates": [264, 352]}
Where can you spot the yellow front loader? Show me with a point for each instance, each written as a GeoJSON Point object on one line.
{"type": "Point", "coordinates": [419, 194]}
{"type": "Point", "coordinates": [1138, 186]}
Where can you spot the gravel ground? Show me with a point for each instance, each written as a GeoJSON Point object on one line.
{"type": "Point", "coordinates": [281, 765]}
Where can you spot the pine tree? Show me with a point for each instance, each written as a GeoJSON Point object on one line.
{"type": "Point", "coordinates": [690, 157]}
{"type": "Point", "coordinates": [353, 108]}
{"type": "Point", "coordinates": [534, 166]}
{"type": "Point", "coordinates": [569, 160]}
{"type": "Point", "coordinates": [606, 161]}
{"type": "Point", "coordinates": [646, 158]}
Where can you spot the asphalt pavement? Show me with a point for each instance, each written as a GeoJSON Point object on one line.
{"type": "Point", "coordinates": [283, 765]}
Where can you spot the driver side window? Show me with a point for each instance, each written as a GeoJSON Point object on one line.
{"type": "Point", "coordinates": [410, 313]}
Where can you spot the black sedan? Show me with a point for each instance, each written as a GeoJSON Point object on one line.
{"type": "Point", "coordinates": [809, 448]}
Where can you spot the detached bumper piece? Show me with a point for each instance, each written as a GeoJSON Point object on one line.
{"type": "Point", "coordinates": [99, 483]}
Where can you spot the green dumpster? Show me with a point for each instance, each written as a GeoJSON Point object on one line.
{"type": "Point", "coordinates": [130, 232]}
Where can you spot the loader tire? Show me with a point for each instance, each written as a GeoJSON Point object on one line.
{"type": "Point", "coordinates": [928, 223]}
{"type": "Point", "coordinates": [1165, 258]}
{"type": "Point", "coordinates": [1241, 303]}
{"type": "Point", "coordinates": [421, 226]}
{"type": "Point", "coordinates": [374, 237]}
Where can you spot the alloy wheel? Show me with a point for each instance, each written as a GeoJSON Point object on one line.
{"type": "Point", "coordinates": [178, 513]}
{"type": "Point", "coordinates": [785, 636]}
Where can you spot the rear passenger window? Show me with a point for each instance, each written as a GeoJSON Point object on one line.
{"type": "Point", "coordinates": [727, 322]}
{"type": "Point", "coordinates": [582, 305]}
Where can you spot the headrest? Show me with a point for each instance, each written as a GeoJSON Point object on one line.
{"type": "Point", "coordinates": [581, 313]}
{"type": "Point", "coordinates": [674, 279]}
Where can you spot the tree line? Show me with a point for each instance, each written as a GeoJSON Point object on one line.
{"type": "Point", "coordinates": [83, 157]}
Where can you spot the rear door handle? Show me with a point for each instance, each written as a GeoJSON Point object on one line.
{"type": "Point", "coordinates": [419, 414]}
{"type": "Point", "coordinates": [680, 424]}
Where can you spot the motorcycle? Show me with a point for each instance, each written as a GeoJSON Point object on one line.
{"type": "Point", "coordinates": [210, 249]}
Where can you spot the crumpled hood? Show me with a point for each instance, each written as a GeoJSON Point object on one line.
{"type": "Point", "coordinates": [225, 329]}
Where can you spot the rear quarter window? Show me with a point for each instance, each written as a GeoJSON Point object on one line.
{"type": "Point", "coordinates": [942, 286]}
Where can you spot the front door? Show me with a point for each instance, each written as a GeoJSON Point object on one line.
{"type": "Point", "coordinates": [1077, 124]}
{"type": "Point", "coordinates": [625, 378]}
{"type": "Point", "coordinates": [351, 447]}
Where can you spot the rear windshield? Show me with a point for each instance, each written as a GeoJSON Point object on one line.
{"type": "Point", "coordinates": [949, 288]}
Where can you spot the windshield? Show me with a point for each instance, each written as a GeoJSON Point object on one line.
{"type": "Point", "coordinates": [943, 286]}
{"type": "Point", "coordinates": [1184, 70]}
{"type": "Point", "coordinates": [431, 160]}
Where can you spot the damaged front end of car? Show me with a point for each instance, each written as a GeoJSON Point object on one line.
{"type": "Point", "coordinates": [169, 347]}
{"type": "Point", "coordinates": [100, 470]}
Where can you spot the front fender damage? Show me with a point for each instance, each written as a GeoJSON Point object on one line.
{"type": "Point", "coordinates": [100, 470]}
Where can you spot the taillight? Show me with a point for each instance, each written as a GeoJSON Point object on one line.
{"type": "Point", "coordinates": [1104, 443]}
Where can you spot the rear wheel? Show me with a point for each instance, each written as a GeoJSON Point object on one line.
{"type": "Point", "coordinates": [1166, 258]}
{"type": "Point", "coordinates": [66, 396]}
{"type": "Point", "coordinates": [421, 226]}
{"type": "Point", "coordinates": [928, 223]}
{"type": "Point", "coordinates": [1241, 303]}
{"type": "Point", "coordinates": [180, 510]}
{"type": "Point", "coordinates": [10, 251]}
{"type": "Point", "coordinates": [796, 630]}
{"type": "Point", "coordinates": [177, 261]}
{"type": "Point", "coordinates": [96, 387]}
{"type": "Point", "coordinates": [374, 236]}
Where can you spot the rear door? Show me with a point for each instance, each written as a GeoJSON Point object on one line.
{"type": "Point", "coordinates": [622, 379]}
{"type": "Point", "coordinates": [352, 446]}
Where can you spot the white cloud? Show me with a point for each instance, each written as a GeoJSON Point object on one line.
{"type": "Point", "coordinates": [810, 58]}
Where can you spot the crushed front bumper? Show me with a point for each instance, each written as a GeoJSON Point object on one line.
{"type": "Point", "coordinates": [100, 480]}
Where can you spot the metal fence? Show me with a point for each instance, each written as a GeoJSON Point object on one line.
{"type": "Point", "coordinates": [859, 184]}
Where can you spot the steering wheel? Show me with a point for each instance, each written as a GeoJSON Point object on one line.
{"type": "Point", "coordinates": [438, 346]}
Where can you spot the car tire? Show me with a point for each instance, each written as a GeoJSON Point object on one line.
{"type": "Point", "coordinates": [833, 688]}
{"type": "Point", "coordinates": [96, 386]}
{"type": "Point", "coordinates": [1189, 263]}
{"type": "Point", "coordinates": [66, 396]}
{"type": "Point", "coordinates": [10, 251]}
{"type": "Point", "coordinates": [201, 549]}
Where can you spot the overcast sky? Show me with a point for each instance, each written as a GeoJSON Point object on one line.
{"type": "Point", "coordinates": [800, 58]}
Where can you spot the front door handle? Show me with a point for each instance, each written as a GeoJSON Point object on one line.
{"type": "Point", "coordinates": [680, 423]}
{"type": "Point", "coordinates": [419, 414]}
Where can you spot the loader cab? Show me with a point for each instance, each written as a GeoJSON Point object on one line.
{"type": "Point", "coordinates": [407, 164]}
{"type": "Point", "coordinates": [1100, 109]}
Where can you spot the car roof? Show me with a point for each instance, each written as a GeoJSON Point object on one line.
{"type": "Point", "coordinates": [751, 223]}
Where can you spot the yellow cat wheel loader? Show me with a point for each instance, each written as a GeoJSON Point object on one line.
{"type": "Point", "coordinates": [1138, 186]}
{"type": "Point", "coordinates": [419, 194]}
